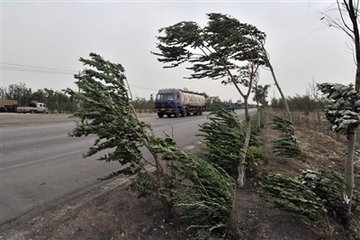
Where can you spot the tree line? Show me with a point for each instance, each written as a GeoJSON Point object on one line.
{"type": "Point", "coordinates": [56, 101]}
{"type": "Point", "coordinates": [61, 102]}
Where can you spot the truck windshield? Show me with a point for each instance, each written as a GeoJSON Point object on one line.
{"type": "Point", "coordinates": [165, 96]}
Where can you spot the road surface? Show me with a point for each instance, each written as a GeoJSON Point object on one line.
{"type": "Point", "coordinates": [41, 164]}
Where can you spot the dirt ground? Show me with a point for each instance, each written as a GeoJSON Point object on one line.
{"type": "Point", "coordinates": [118, 214]}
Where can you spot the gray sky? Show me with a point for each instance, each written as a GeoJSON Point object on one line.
{"type": "Point", "coordinates": [54, 35]}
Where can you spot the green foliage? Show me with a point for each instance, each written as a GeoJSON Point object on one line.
{"type": "Point", "coordinates": [223, 135]}
{"type": "Point", "coordinates": [287, 144]}
{"type": "Point", "coordinates": [312, 194]}
{"type": "Point", "coordinates": [343, 107]}
{"type": "Point", "coordinates": [144, 184]}
{"type": "Point", "coordinates": [283, 125]}
{"type": "Point", "coordinates": [143, 105]}
{"type": "Point", "coordinates": [105, 112]}
{"type": "Point", "coordinates": [204, 192]}
{"type": "Point", "coordinates": [213, 50]}
{"type": "Point", "coordinates": [329, 187]}
{"type": "Point", "coordinates": [299, 103]}
{"type": "Point", "coordinates": [207, 201]}
{"type": "Point", "coordinates": [254, 158]}
{"type": "Point", "coordinates": [260, 94]}
{"type": "Point", "coordinates": [292, 195]}
{"type": "Point", "coordinates": [256, 154]}
{"type": "Point", "coordinates": [213, 103]}
{"type": "Point", "coordinates": [255, 140]}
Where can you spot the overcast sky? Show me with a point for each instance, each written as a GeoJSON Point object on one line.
{"type": "Point", "coordinates": [51, 36]}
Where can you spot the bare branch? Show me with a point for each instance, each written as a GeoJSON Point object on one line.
{"type": "Point", "coordinates": [342, 17]}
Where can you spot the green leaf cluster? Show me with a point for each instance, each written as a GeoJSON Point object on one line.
{"type": "Point", "coordinates": [214, 50]}
{"type": "Point", "coordinates": [292, 195]}
{"type": "Point", "coordinates": [312, 194]}
{"type": "Point", "coordinates": [203, 192]}
{"type": "Point", "coordinates": [223, 135]}
{"type": "Point", "coordinates": [254, 158]}
{"type": "Point", "coordinates": [287, 144]}
{"type": "Point", "coordinates": [329, 187]}
{"type": "Point", "coordinates": [343, 108]}
{"type": "Point", "coordinates": [106, 113]}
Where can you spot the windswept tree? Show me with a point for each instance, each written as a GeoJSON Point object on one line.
{"type": "Point", "coordinates": [344, 112]}
{"type": "Point", "coordinates": [201, 191]}
{"type": "Point", "coordinates": [260, 94]}
{"type": "Point", "coordinates": [225, 49]}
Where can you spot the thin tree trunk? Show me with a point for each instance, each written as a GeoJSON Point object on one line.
{"type": "Point", "coordinates": [243, 151]}
{"type": "Point", "coordinates": [280, 91]}
{"type": "Point", "coordinates": [349, 171]}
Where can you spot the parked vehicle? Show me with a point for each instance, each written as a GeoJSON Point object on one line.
{"type": "Point", "coordinates": [229, 106]}
{"type": "Point", "coordinates": [33, 107]}
{"type": "Point", "coordinates": [179, 102]}
{"type": "Point", "coordinates": [7, 105]}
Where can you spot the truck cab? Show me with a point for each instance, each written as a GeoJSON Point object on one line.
{"type": "Point", "coordinates": [33, 107]}
{"type": "Point", "coordinates": [168, 102]}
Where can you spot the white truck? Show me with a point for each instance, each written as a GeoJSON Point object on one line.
{"type": "Point", "coordinates": [33, 107]}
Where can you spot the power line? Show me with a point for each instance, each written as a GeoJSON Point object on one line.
{"type": "Point", "coordinates": [17, 69]}
{"type": "Point", "coordinates": [36, 67]}
{"type": "Point", "coordinates": [47, 70]}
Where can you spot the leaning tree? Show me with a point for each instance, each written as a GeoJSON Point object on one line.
{"type": "Point", "coordinates": [201, 192]}
{"type": "Point", "coordinates": [225, 49]}
{"type": "Point", "coordinates": [343, 111]}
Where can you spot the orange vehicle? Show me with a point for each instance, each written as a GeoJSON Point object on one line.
{"type": "Point", "coordinates": [7, 105]}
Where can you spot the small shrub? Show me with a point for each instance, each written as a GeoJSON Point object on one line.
{"type": "Point", "coordinates": [255, 141]}
{"type": "Point", "coordinates": [329, 187]}
{"type": "Point", "coordinates": [144, 185]}
{"type": "Point", "coordinates": [254, 158]}
{"type": "Point", "coordinates": [203, 191]}
{"type": "Point", "coordinates": [312, 194]}
{"type": "Point", "coordinates": [287, 144]}
{"type": "Point", "coordinates": [292, 195]}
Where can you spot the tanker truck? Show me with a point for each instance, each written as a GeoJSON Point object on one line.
{"type": "Point", "coordinates": [179, 102]}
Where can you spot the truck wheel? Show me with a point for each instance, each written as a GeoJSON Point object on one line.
{"type": "Point", "coordinates": [177, 113]}
{"type": "Point", "coordinates": [160, 115]}
{"type": "Point", "coordinates": [184, 113]}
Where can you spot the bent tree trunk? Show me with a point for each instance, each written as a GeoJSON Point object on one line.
{"type": "Point", "coordinates": [280, 91]}
{"type": "Point", "coordinates": [277, 84]}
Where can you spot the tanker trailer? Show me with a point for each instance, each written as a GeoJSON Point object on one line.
{"type": "Point", "coordinates": [179, 102]}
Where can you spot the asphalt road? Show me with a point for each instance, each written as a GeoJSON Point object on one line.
{"type": "Point", "coordinates": [41, 164]}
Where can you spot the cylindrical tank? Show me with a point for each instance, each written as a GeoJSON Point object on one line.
{"type": "Point", "coordinates": [192, 99]}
